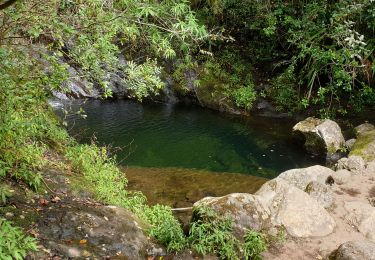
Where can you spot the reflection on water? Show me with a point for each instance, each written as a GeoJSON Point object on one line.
{"type": "Point", "coordinates": [159, 135]}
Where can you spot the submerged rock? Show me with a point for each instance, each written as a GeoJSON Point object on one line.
{"type": "Point", "coordinates": [321, 137]}
{"type": "Point", "coordinates": [355, 250]}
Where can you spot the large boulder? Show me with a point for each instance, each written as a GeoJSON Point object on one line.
{"type": "Point", "coordinates": [322, 193]}
{"type": "Point", "coordinates": [363, 128]}
{"type": "Point", "coordinates": [245, 209]}
{"type": "Point", "coordinates": [301, 215]}
{"type": "Point", "coordinates": [355, 250]}
{"type": "Point", "coordinates": [301, 177]}
{"type": "Point", "coordinates": [365, 143]}
{"type": "Point", "coordinates": [341, 176]}
{"type": "Point", "coordinates": [353, 163]}
{"type": "Point", "coordinates": [362, 216]}
{"type": "Point", "coordinates": [276, 204]}
{"type": "Point", "coordinates": [321, 137]}
{"type": "Point", "coordinates": [84, 231]}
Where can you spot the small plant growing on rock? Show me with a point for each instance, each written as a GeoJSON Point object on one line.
{"type": "Point", "coordinates": [255, 244]}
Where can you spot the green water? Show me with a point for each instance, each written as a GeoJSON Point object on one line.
{"type": "Point", "coordinates": [160, 136]}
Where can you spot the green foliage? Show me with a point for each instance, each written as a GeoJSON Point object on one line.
{"type": "Point", "coordinates": [27, 126]}
{"type": "Point", "coordinates": [13, 243]}
{"type": "Point", "coordinates": [4, 193]}
{"type": "Point", "coordinates": [254, 245]}
{"type": "Point", "coordinates": [245, 97]}
{"type": "Point", "coordinates": [164, 227]}
{"type": "Point", "coordinates": [213, 234]}
{"type": "Point", "coordinates": [108, 183]}
{"type": "Point", "coordinates": [94, 34]}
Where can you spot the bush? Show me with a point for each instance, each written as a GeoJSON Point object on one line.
{"type": "Point", "coordinates": [254, 245]}
{"type": "Point", "coordinates": [13, 243]}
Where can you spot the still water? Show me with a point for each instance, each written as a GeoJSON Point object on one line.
{"type": "Point", "coordinates": [189, 137]}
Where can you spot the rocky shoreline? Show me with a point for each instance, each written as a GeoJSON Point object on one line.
{"type": "Point", "coordinates": [326, 213]}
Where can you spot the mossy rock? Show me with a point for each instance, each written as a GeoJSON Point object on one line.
{"type": "Point", "coordinates": [365, 146]}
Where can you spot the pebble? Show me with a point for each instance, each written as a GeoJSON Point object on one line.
{"type": "Point", "coordinates": [9, 214]}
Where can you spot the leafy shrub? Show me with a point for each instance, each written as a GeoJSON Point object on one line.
{"type": "Point", "coordinates": [108, 183]}
{"type": "Point", "coordinates": [254, 245]}
{"type": "Point", "coordinates": [245, 97]}
{"type": "Point", "coordinates": [13, 243]}
{"type": "Point", "coordinates": [210, 233]}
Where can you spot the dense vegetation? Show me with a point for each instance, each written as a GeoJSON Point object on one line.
{"type": "Point", "coordinates": [312, 54]}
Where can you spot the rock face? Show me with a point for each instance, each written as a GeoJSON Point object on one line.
{"type": "Point", "coordinates": [245, 209]}
{"type": "Point", "coordinates": [322, 137]}
{"type": "Point", "coordinates": [322, 193]}
{"type": "Point", "coordinates": [353, 163]}
{"type": "Point", "coordinates": [277, 203]}
{"type": "Point", "coordinates": [301, 215]}
{"type": "Point", "coordinates": [365, 143]}
{"type": "Point", "coordinates": [362, 216]}
{"type": "Point", "coordinates": [94, 232]}
{"type": "Point", "coordinates": [355, 250]}
{"type": "Point", "coordinates": [300, 178]}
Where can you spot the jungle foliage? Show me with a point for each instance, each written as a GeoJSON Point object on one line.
{"type": "Point", "coordinates": [318, 54]}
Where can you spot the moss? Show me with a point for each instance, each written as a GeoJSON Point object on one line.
{"type": "Point", "coordinates": [361, 146]}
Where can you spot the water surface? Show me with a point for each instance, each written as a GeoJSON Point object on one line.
{"type": "Point", "coordinates": [189, 137]}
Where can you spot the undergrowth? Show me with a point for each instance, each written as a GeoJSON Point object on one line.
{"type": "Point", "coordinates": [14, 244]}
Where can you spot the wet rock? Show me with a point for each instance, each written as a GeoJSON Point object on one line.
{"type": "Point", "coordinates": [366, 127]}
{"type": "Point", "coordinates": [353, 163]}
{"type": "Point", "coordinates": [102, 231]}
{"type": "Point", "coordinates": [300, 178]}
{"type": "Point", "coordinates": [355, 250]}
{"type": "Point", "coordinates": [341, 176]}
{"type": "Point", "coordinates": [301, 215]}
{"type": "Point", "coordinates": [362, 216]}
{"type": "Point", "coordinates": [322, 193]}
{"type": "Point", "coordinates": [322, 137]}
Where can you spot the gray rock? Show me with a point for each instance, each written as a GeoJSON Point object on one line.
{"type": "Point", "coordinates": [276, 204]}
{"type": "Point", "coordinates": [370, 167]}
{"type": "Point", "coordinates": [322, 137]}
{"type": "Point", "coordinates": [365, 145]}
{"type": "Point", "coordinates": [355, 250]}
{"type": "Point", "coordinates": [300, 178]}
{"type": "Point", "coordinates": [366, 127]}
{"type": "Point", "coordinates": [301, 215]}
{"type": "Point", "coordinates": [98, 232]}
{"type": "Point", "coordinates": [362, 216]}
{"type": "Point", "coordinates": [322, 193]}
{"type": "Point", "coordinates": [341, 176]}
{"type": "Point", "coordinates": [350, 143]}
{"type": "Point", "coordinates": [353, 163]}
{"type": "Point", "coordinates": [245, 209]}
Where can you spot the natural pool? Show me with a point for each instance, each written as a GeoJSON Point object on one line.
{"type": "Point", "coordinates": [188, 142]}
